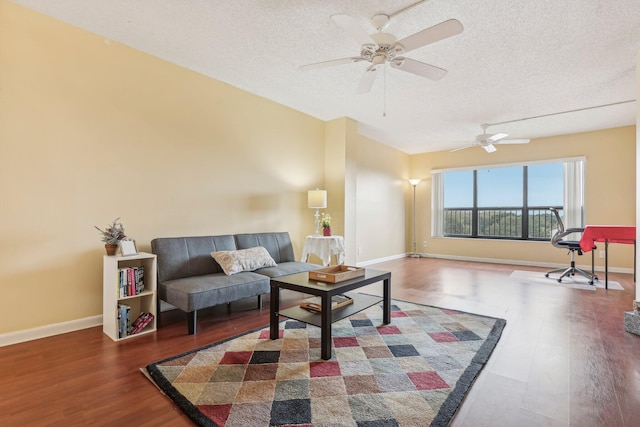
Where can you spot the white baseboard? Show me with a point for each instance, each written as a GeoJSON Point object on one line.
{"type": "Point", "coordinates": [375, 261]}
{"type": "Point", "coordinates": [49, 330]}
{"type": "Point", "coordinates": [493, 261]}
{"type": "Point", "coordinates": [586, 267]}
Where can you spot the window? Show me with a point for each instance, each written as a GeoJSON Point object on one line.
{"type": "Point", "coordinates": [507, 201]}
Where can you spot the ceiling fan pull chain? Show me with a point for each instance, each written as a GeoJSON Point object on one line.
{"type": "Point", "coordinates": [384, 93]}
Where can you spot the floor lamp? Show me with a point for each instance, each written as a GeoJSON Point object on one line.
{"type": "Point", "coordinates": [414, 182]}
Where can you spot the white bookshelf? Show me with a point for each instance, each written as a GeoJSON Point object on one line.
{"type": "Point", "coordinates": [145, 301]}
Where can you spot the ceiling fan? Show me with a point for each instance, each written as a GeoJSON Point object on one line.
{"type": "Point", "coordinates": [380, 48]}
{"type": "Point", "coordinates": [487, 141]}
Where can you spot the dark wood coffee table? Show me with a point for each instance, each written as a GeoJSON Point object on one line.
{"type": "Point", "coordinates": [300, 283]}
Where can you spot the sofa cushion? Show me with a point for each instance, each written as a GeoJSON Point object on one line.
{"type": "Point", "coordinates": [180, 257]}
{"type": "Point", "coordinates": [198, 292]}
{"type": "Point", "coordinates": [250, 259]}
{"type": "Point", "coordinates": [277, 243]}
{"type": "Point", "coordinates": [286, 268]}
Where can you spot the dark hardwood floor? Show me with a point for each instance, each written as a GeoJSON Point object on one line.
{"type": "Point", "coordinates": [564, 357]}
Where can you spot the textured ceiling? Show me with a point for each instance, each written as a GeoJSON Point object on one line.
{"type": "Point", "coordinates": [515, 59]}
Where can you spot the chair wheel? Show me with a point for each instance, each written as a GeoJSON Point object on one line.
{"type": "Point", "coordinates": [546, 275]}
{"type": "Point", "coordinates": [591, 282]}
{"type": "Point", "coordinates": [559, 280]}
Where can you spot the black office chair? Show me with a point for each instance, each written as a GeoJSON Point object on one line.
{"type": "Point", "coordinates": [573, 246]}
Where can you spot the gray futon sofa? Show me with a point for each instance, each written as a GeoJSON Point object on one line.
{"type": "Point", "coordinates": [190, 279]}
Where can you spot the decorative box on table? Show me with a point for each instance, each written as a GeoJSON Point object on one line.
{"type": "Point", "coordinates": [315, 304]}
{"type": "Point", "coordinates": [338, 273]}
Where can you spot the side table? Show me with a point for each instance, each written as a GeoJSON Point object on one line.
{"type": "Point", "coordinates": [324, 247]}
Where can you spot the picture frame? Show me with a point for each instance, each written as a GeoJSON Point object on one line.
{"type": "Point", "coordinates": [128, 247]}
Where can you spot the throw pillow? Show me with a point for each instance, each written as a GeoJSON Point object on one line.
{"type": "Point", "coordinates": [233, 262]}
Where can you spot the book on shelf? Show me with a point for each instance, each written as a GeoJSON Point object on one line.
{"type": "Point", "coordinates": [130, 281]}
{"type": "Point", "coordinates": [124, 320]}
{"type": "Point", "coordinates": [315, 303]}
{"type": "Point", "coordinates": [139, 279]}
{"type": "Point", "coordinates": [139, 324]}
{"type": "Point", "coordinates": [122, 272]}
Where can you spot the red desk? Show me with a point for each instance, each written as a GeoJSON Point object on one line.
{"type": "Point", "coordinates": [608, 234]}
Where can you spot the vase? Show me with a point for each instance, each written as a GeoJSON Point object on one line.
{"type": "Point", "coordinates": [326, 231]}
{"type": "Point", "coordinates": [111, 249]}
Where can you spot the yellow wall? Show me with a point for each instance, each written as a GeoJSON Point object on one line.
{"type": "Point", "coordinates": [382, 191]}
{"type": "Point", "coordinates": [91, 131]}
{"type": "Point", "coordinates": [609, 187]}
{"type": "Point", "coordinates": [366, 182]}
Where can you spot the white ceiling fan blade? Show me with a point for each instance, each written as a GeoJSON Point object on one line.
{"type": "Point", "coordinates": [330, 63]}
{"type": "Point", "coordinates": [513, 141]}
{"type": "Point", "coordinates": [348, 24]}
{"type": "Point", "coordinates": [430, 35]}
{"type": "Point", "coordinates": [367, 79]}
{"type": "Point", "coordinates": [496, 137]}
{"type": "Point", "coordinates": [489, 148]}
{"type": "Point", "coordinates": [418, 68]}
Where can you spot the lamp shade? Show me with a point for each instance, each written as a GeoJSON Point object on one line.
{"type": "Point", "coordinates": [317, 199]}
{"type": "Point", "coordinates": [415, 181]}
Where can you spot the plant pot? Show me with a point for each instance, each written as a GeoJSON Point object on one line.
{"type": "Point", "coordinates": [326, 231]}
{"type": "Point", "coordinates": [111, 249]}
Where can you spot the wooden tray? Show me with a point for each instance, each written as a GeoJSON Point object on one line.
{"type": "Point", "coordinates": [338, 273]}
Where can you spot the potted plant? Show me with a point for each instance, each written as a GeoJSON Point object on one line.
{"type": "Point", "coordinates": [326, 224]}
{"type": "Point", "coordinates": [111, 236]}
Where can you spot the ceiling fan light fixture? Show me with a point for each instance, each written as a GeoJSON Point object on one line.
{"type": "Point", "coordinates": [368, 50]}
{"type": "Point", "coordinates": [378, 60]}
{"type": "Point", "coordinates": [385, 41]}
{"type": "Point", "coordinates": [396, 51]}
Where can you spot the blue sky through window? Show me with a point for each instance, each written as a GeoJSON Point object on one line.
{"type": "Point", "coordinates": [458, 189]}
{"type": "Point", "coordinates": [498, 187]}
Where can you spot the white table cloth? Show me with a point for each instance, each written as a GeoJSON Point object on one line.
{"type": "Point", "coordinates": [324, 247]}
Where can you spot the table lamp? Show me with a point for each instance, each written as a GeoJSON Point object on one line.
{"type": "Point", "coordinates": [317, 199]}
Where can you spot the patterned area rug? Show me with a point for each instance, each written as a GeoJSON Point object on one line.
{"type": "Point", "coordinates": [412, 372]}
